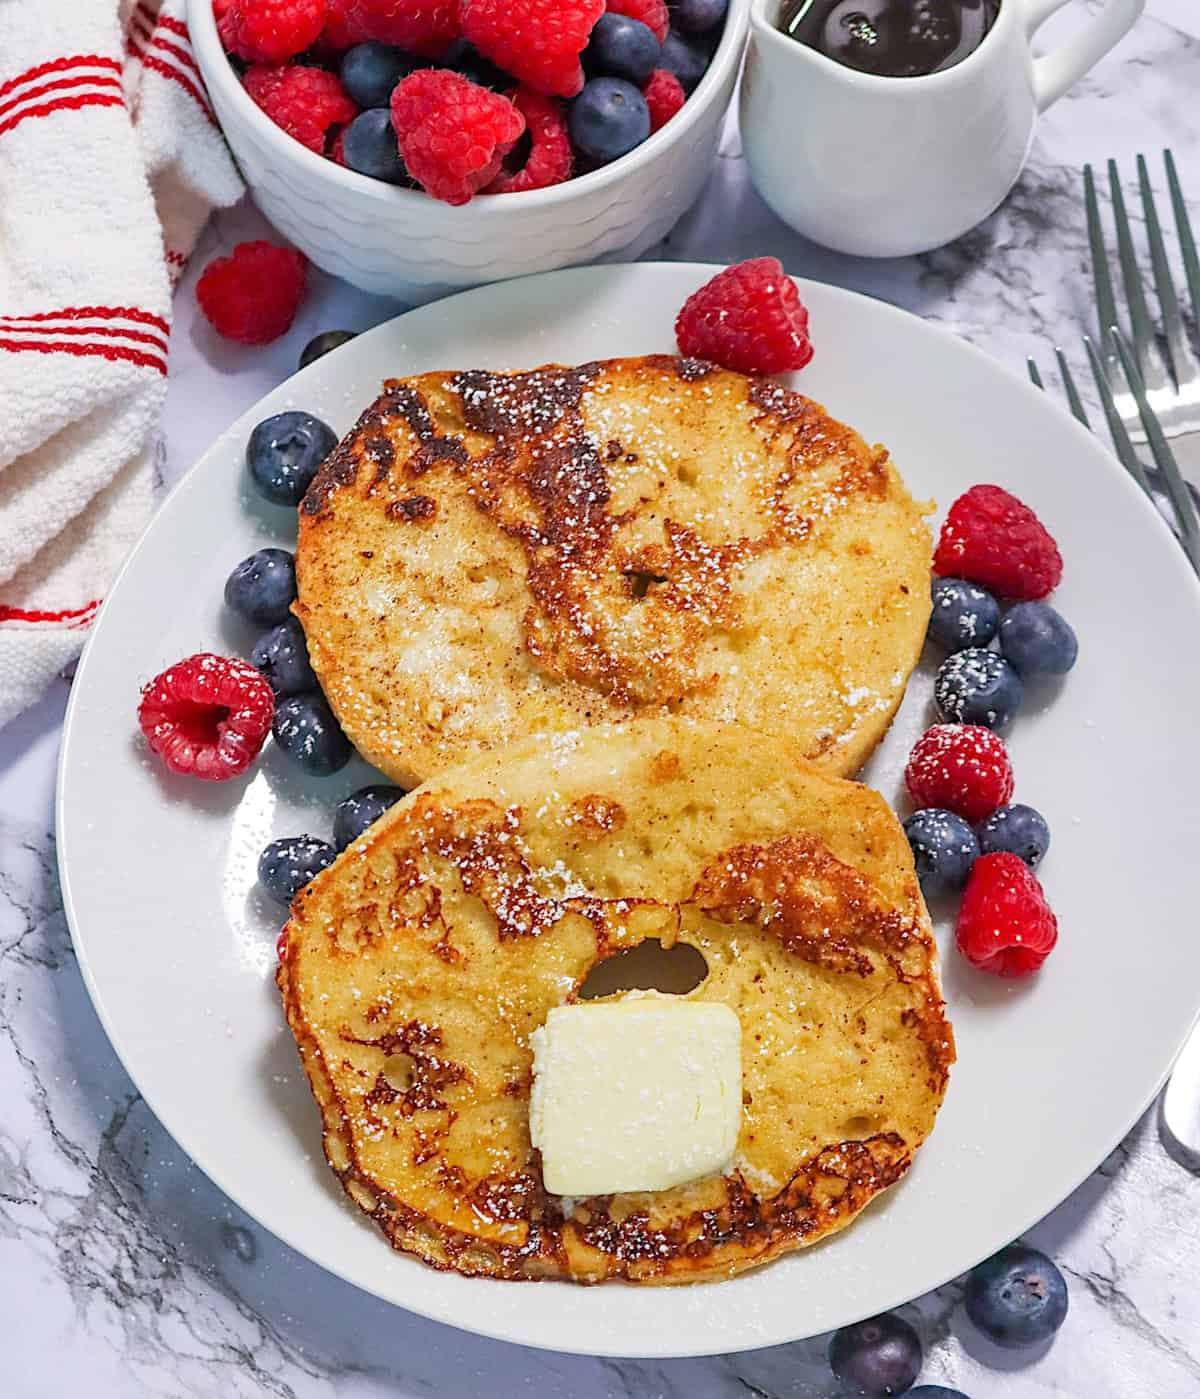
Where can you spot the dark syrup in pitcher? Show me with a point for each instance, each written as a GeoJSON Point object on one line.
{"type": "Point", "coordinates": [891, 38]}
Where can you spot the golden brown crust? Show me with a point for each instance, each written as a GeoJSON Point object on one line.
{"type": "Point", "coordinates": [488, 555]}
{"type": "Point", "coordinates": [418, 966]}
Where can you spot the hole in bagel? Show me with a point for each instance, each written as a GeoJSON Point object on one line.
{"type": "Point", "coordinates": [647, 967]}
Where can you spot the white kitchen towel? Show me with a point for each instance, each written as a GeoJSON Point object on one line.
{"type": "Point", "coordinates": [110, 159]}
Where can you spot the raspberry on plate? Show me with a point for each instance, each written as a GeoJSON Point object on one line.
{"type": "Point", "coordinates": [1005, 925]}
{"type": "Point", "coordinates": [993, 538]}
{"type": "Point", "coordinates": [664, 96]}
{"type": "Point", "coordinates": [537, 41]}
{"type": "Point", "coordinates": [749, 318]}
{"type": "Point", "coordinates": [652, 13]}
{"type": "Point", "coordinates": [962, 768]}
{"type": "Point", "coordinates": [268, 31]}
{"type": "Point", "coordinates": [305, 102]}
{"type": "Point", "coordinates": [453, 134]}
{"type": "Point", "coordinates": [253, 295]}
{"type": "Point", "coordinates": [549, 159]}
{"type": "Point", "coordinates": [207, 716]}
{"type": "Point", "coordinates": [425, 27]}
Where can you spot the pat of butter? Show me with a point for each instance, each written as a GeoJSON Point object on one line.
{"type": "Point", "coordinates": [640, 1093]}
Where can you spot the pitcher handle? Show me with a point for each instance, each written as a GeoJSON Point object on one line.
{"type": "Point", "coordinates": [1055, 72]}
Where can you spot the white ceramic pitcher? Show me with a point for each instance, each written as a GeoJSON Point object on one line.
{"type": "Point", "coordinates": [883, 167]}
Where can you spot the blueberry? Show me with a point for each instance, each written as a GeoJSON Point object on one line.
{"type": "Point", "coordinates": [307, 732]}
{"type": "Point", "coordinates": [370, 71]}
{"type": "Point", "coordinates": [322, 344]}
{"type": "Point", "coordinates": [369, 146]}
{"type": "Point", "coordinates": [284, 454]}
{"type": "Point", "coordinates": [608, 118]}
{"type": "Point", "coordinates": [1017, 829]}
{"type": "Point", "coordinates": [287, 865]}
{"type": "Point", "coordinates": [879, 1356]}
{"type": "Point", "coordinates": [353, 814]}
{"type": "Point", "coordinates": [464, 58]}
{"type": "Point", "coordinates": [944, 848]}
{"type": "Point", "coordinates": [688, 61]}
{"type": "Point", "coordinates": [1017, 1298]}
{"type": "Point", "coordinates": [622, 48]}
{"type": "Point", "coordinates": [1038, 640]}
{"type": "Point", "coordinates": [978, 687]}
{"type": "Point", "coordinates": [262, 588]}
{"type": "Point", "coordinates": [282, 656]}
{"type": "Point", "coordinates": [935, 1391]}
{"type": "Point", "coordinates": [698, 16]}
{"type": "Point", "coordinates": [964, 614]}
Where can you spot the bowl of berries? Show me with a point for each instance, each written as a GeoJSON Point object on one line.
{"type": "Point", "coordinates": [413, 147]}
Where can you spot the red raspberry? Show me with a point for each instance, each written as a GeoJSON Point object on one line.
{"type": "Point", "coordinates": [549, 159]}
{"type": "Point", "coordinates": [664, 96]}
{"type": "Point", "coordinates": [749, 317]}
{"type": "Point", "coordinates": [453, 134]}
{"type": "Point", "coordinates": [993, 538]}
{"type": "Point", "coordinates": [425, 27]}
{"type": "Point", "coordinates": [962, 767]}
{"type": "Point", "coordinates": [652, 13]}
{"type": "Point", "coordinates": [268, 31]}
{"type": "Point", "coordinates": [537, 41]}
{"type": "Point", "coordinates": [1005, 925]}
{"type": "Point", "coordinates": [253, 295]}
{"type": "Point", "coordinates": [207, 716]}
{"type": "Point", "coordinates": [305, 102]}
{"type": "Point", "coordinates": [220, 8]}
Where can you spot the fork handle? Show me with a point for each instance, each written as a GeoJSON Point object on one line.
{"type": "Point", "coordinates": [1060, 69]}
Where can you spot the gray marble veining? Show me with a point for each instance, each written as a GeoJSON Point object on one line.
{"type": "Point", "coordinates": [125, 1272]}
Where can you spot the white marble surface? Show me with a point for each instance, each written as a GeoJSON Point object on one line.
{"type": "Point", "coordinates": [123, 1272]}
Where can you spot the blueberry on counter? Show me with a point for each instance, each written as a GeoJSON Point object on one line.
{"type": "Point", "coordinates": [307, 732]}
{"type": "Point", "coordinates": [1017, 829]}
{"type": "Point", "coordinates": [281, 654]}
{"type": "Point", "coordinates": [1016, 1298]}
{"type": "Point", "coordinates": [608, 119]}
{"type": "Point", "coordinates": [287, 865]}
{"type": "Point", "coordinates": [1038, 640]}
{"type": "Point", "coordinates": [322, 344]}
{"type": "Point", "coordinates": [262, 587]}
{"type": "Point", "coordinates": [978, 687]}
{"type": "Point", "coordinates": [698, 16]}
{"type": "Point", "coordinates": [688, 61]}
{"type": "Point", "coordinates": [370, 71]}
{"type": "Point", "coordinates": [353, 814]}
{"type": "Point", "coordinates": [285, 452]}
{"type": "Point", "coordinates": [880, 1356]}
{"type": "Point", "coordinates": [369, 146]}
{"type": "Point", "coordinates": [964, 614]}
{"type": "Point", "coordinates": [944, 848]}
{"type": "Point", "coordinates": [620, 47]}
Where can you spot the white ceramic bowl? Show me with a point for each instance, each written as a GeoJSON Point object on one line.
{"type": "Point", "coordinates": [401, 243]}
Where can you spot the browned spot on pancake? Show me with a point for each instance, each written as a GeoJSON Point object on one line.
{"type": "Point", "coordinates": [690, 370]}
{"type": "Point", "coordinates": [418, 509]}
{"type": "Point", "coordinates": [665, 765]}
{"type": "Point", "coordinates": [402, 400]}
{"type": "Point", "coordinates": [614, 450]}
{"type": "Point", "coordinates": [380, 450]}
{"type": "Point", "coordinates": [433, 452]}
{"type": "Point", "coordinates": [596, 816]}
{"type": "Point", "coordinates": [521, 404]}
{"type": "Point", "coordinates": [431, 1074]}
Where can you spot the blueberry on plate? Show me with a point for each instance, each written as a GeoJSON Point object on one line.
{"type": "Point", "coordinates": [620, 47]}
{"type": "Point", "coordinates": [353, 814]}
{"type": "Point", "coordinates": [964, 614]}
{"type": "Point", "coordinates": [688, 61]}
{"type": "Point", "coordinates": [934, 1391]}
{"type": "Point", "coordinates": [1017, 1298]}
{"type": "Point", "coordinates": [369, 146]}
{"type": "Point", "coordinates": [287, 865]}
{"type": "Point", "coordinates": [1017, 829]}
{"type": "Point", "coordinates": [370, 71]}
{"type": "Point", "coordinates": [281, 654]}
{"type": "Point", "coordinates": [698, 16]}
{"type": "Point", "coordinates": [307, 732]}
{"type": "Point", "coordinates": [262, 588]}
{"type": "Point", "coordinates": [1038, 640]}
{"type": "Point", "coordinates": [944, 848]}
{"type": "Point", "coordinates": [978, 687]}
{"type": "Point", "coordinates": [322, 344]}
{"type": "Point", "coordinates": [880, 1356]}
{"type": "Point", "coordinates": [608, 118]}
{"type": "Point", "coordinates": [285, 452]}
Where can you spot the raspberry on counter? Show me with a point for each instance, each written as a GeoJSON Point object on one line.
{"type": "Point", "coordinates": [253, 295]}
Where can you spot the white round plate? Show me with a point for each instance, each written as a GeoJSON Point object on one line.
{"type": "Point", "coordinates": [177, 945]}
